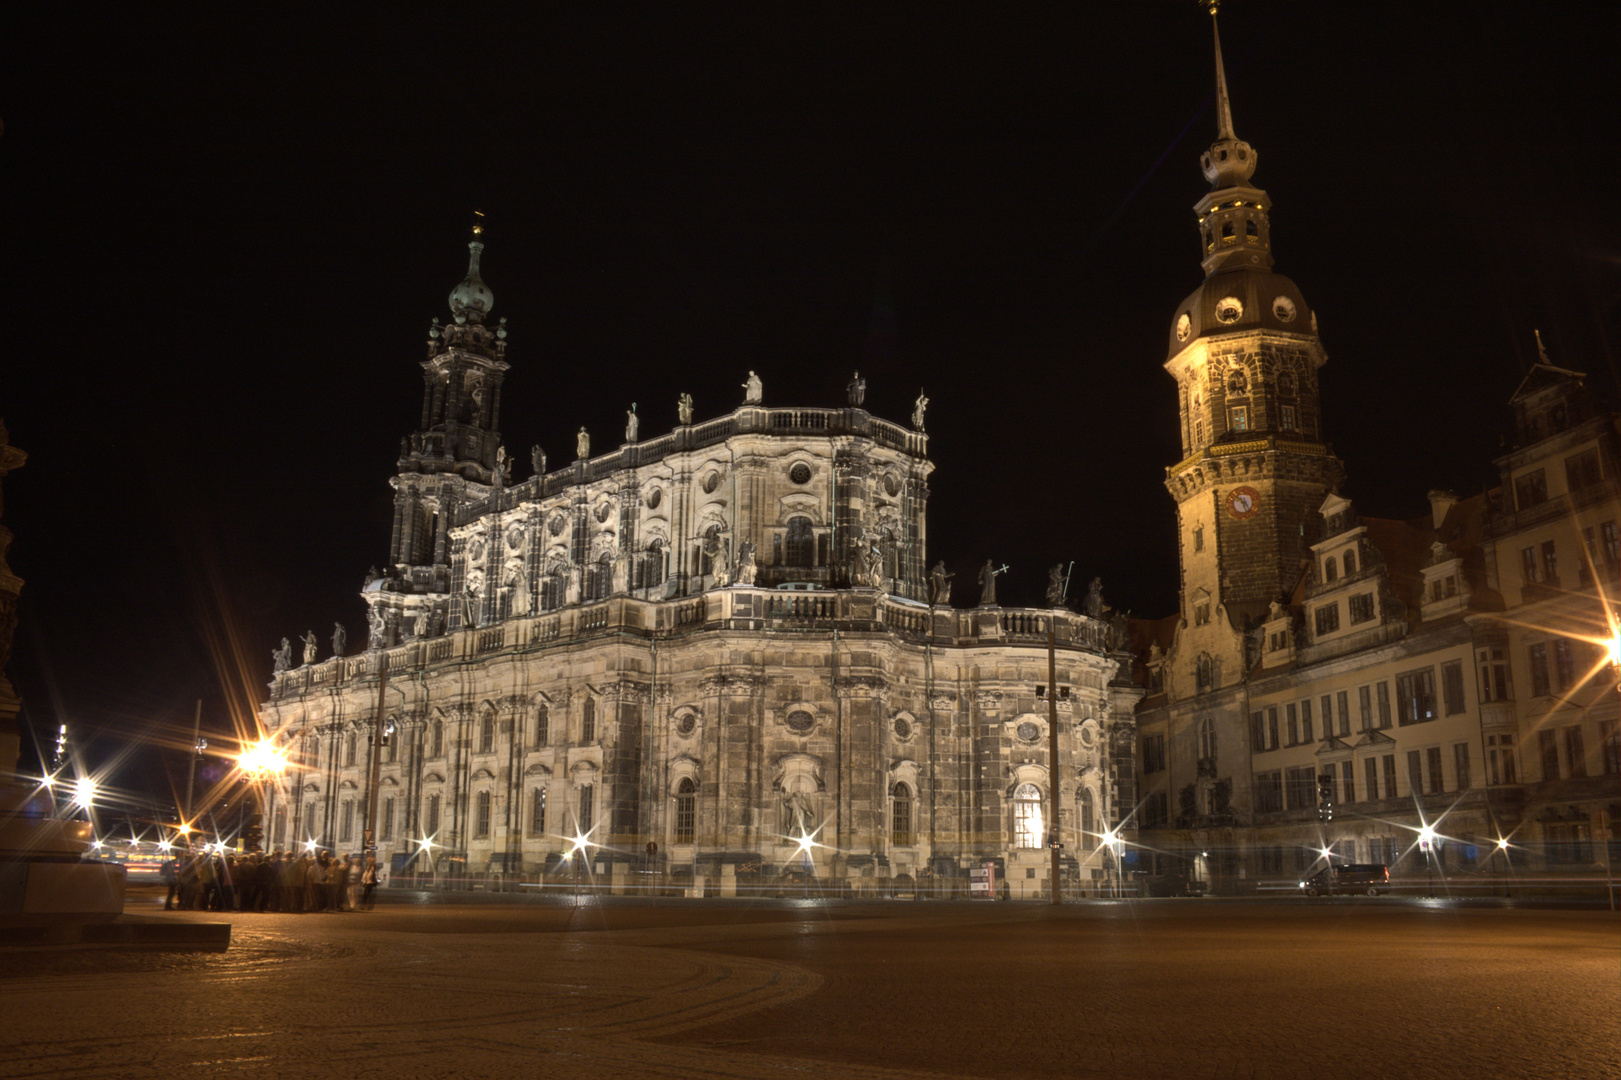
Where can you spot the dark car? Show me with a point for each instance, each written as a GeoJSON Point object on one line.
{"type": "Point", "coordinates": [1369, 878]}
{"type": "Point", "coordinates": [1175, 884]}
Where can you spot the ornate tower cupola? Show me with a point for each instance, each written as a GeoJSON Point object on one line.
{"type": "Point", "coordinates": [1244, 352]}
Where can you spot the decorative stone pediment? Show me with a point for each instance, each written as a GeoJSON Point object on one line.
{"type": "Point", "coordinates": [538, 769]}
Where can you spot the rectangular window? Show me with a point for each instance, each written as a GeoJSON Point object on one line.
{"type": "Point", "coordinates": [387, 832]}
{"type": "Point", "coordinates": [1550, 561]}
{"type": "Point", "coordinates": [1272, 726]}
{"type": "Point", "coordinates": [1294, 724]}
{"type": "Point", "coordinates": [1609, 737]}
{"type": "Point", "coordinates": [1610, 536]}
{"type": "Point", "coordinates": [587, 808]}
{"type": "Point", "coordinates": [1328, 716]}
{"type": "Point", "coordinates": [311, 829]}
{"type": "Point", "coordinates": [1364, 699]}
{"type": "Point", "coordinates": [1460, 764]}
{"type": "Point", "coordinates": [1328, 619]}
{"type": "Point", "coordinates": [1241, 418]}
{"type": "Point", "coordinates": [1531, 489]}
{"type": "Point", "coordinates": [1538, 655]}
{"type": "Point", "coordinates": [537, 812]}
{"type": "Point", "coordinates": [1305, 721]}
{"type": "Point", "coordinates": [1452, 687]}
{"type": "Point", "coordinates": [1550, 755]}
{"type": "Point", "coordinates": [1415, 696]}
{"type": "Point", "coordinates": [1582, 470]}
{"type": "Point", "coordinates": [588, 721]}
{"type": "Point", "coordinates": [1564, 664]}
{"type": "Point", "coordinates": [1383, 694]}
{"type": "Point", "coordinates": [1345, 712]}
{"type": "Point", "coordinates": [431, 830]}
{"type": "Point", "coordinates": [1201, 614]}
{"type": "Point", "coordinates": [1494, 684]}
{"type": "Point", "coordinates": [1389, 761]}
{"type": "Point", "coordinates": [1268, 792]}
{"type": "Point", "coordinates": [1153, 753]}
{"type": "Point", "coordinates": [1415, 772]}
{"type": "Point", "coordinates": [1348, 780]}
{"type": "Point", "coordinates": [1434, 754]}
{"type": "Point", "coordinates": [1530, 569]}
{"type": "Point", "coordinates": [1301, 788]}
{"type": "Point", "coordinates": [1198, 538]}
{"type": "Point", "coordinates": [346, 823]}
{"type": "Point", "coordinates": [1370, 770]}
{"type": "Point", "coordinates": [1257, 732]}
{"type": "Point", "coordinates": [1361, 607]}
{"type": "Point", "coordinates": [1575, 751]}
{"type": "Point", "coordinates": [1288, 418]}
{"type": "Point", "coordinates": [481, 815]}
{"type": "Point", "coordinates": [543, 726]}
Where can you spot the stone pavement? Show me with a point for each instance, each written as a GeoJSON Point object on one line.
{"type": "Point", "coordinates": [1168, 988]}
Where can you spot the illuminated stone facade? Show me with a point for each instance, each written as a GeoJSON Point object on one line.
{"type": "Point", "coordinates": [716, 641]}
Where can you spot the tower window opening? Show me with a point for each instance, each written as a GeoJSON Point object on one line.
{"type": "Point", "coordinates": [1227, 236]}
{"type": "Point", "coordinates": [1252, 233]}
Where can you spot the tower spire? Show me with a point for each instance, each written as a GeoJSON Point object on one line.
{"type": "Point", "coordinates": [1224, 107]}
{"type": "Point", "coordinates": [471, 300]}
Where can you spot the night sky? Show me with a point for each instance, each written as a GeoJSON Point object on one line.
{"type": "Point", "coordinates": [226, 233]}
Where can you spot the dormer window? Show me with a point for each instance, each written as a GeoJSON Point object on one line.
{"type": "Point", "coordinates": [1350, 563]}
{"type": "Point", "coordinates": [1331, 570]}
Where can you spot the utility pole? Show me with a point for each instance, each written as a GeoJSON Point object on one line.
{"type": "Point", "coordinates": [376, 757]}
{"type": "Point", "coordinates": [196, 752]}
{"type": "Point", "coordinates": [1052, 746]}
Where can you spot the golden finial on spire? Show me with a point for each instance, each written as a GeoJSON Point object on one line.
{"type": "Point", "coordinates": [478, 226]}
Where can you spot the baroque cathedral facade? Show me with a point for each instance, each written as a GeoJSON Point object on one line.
{"type": "Point", "coordinates": [711, 656]}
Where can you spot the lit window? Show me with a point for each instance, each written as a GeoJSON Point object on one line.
{"type": "Point", "coordinates": [686, 811]}
{"type": "Point", "coordinates": [1027, 820]}
{"type": "Point", "coordinates": [900, 819]}
{"type": "Point", "coordinates": [1288, 418]}
{"type": "Point", "coordinates": [537, 813]}
{"type": "Point", "coordinates": [1241, 418]}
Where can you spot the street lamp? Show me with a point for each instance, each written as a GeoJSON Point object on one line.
{"type": "Point", "coordinates": [1112, 840]}
{"type": "Point", "coordinates": [260, 763]}
{"type": "Point", "coordinates": [580, 843]}
{"type": "Point", "coordinates": [1426, 840]}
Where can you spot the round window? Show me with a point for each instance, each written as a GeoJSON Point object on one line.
{"type": "Point", "coordinates": [1088, 734]}
{"type": "Point", "coordinates": [654, 497]}
{"type": "Point", "coordinates": [800, 473]}
{"type": "Point", "coordinates": [1229, 309]}
{"type": "Point", "coordinates": [903, 730]}
{"type": "Point", "coordinates": [1284, 309]}
{"type": "Point", "coordinates": [711, 482]}
{"type": "Point", "coordinates": [1029, 732]}
{"type": "Point", "coordinates": [892, 484]}
{"type": "Point", "coordinates": [800, 722]}
{"type": "Point", "coordinates": [686, 725]}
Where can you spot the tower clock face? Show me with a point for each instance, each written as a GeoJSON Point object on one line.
{"type": "Point", "coordinates": [1242, 502]}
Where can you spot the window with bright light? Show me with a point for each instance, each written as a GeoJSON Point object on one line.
{"type": "Point", "coordinates": [537, 812]}
{"type": "Point", "coordinates": [686, 811]}
{"type": "Point", "coordinates": [900, 817]}
{"type": "Point", "coordinates": [1027, 819]}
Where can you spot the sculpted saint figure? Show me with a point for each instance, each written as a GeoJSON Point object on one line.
{"type": "Point", "coordinates": [537, 458]}
{"type": "Point", "coordinates": [987, 584]}
{"type": "Point", "coordinates": [309, 646]}
{"type": "Point", "coordinates": [917, 409]}
{"type": "Point", "coordinates": [1055, 586]}
{"type": "Point", "coordinates": [632, 424]}
{"type": "Point", "coordinates": [940, 584]}
{"type": "Point", "coordinates": [746, 567]}
{"type": "Point", "coordinates": [753, 390]}
{"type": "Point", "coordinates": [857, 389]}
{"type": "Point", "coordinates": [340, 639]}
{"type": "Point", "coordinates": [582, 444]}
{"type": "Point", "coordinates": [1094, 599]}
{"type": "Point", "coordinates": [683, 408]}
{"type": "Point", "coordinates": [420, 625]}
{"type": "Point", "coordinates": [282, 658]}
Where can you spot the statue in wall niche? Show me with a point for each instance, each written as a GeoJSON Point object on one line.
{"type": "Point", "coordinates": [987, 582]}
{"type": "Point", "coordinates": [746, 567]}
{"type": "Point", "coordinates": [374, 628]}
{"type": "Point", "coordinates": [683, 409]}
{"type": "Point", "coordinates": [872, 564]}
{"type": "Point", "coordinates": [857, 389]}
{"type": "Point", "coordinates": [1153, 652]}
{"type": "Point", "coordinates": [632, 423]}
{"type": "Point", "coordinates": [340, 639]}
{"type": "Point", "coordinates": [722, 562]}
{"type": "Point", "coordinates": [282, 658]}
{"type": "Point", "coordinates": [537, 460]}
{"type": "Point", "coordinates": [940, 585]}
{"type": "Point", "coordinates": [518, 582]}
{"type": "Point", "coordinates": [309, 646]}
{"type": "Point", "coordinates": [1094, 599]}
{"type": "Point", "coordinates": [753, 390]}
{"type": "Point", "coordinates": [419, 625]}
{"type": "Point", "coordinates": [582, 444]}
{"type": "Point", "coordinates": [918, 406]}
{"type": "Point", "coordinates": [467, 607]}
{"type": "Point", "coordinates": [796, 812]}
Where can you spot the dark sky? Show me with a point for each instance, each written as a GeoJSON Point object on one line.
{"type": "Point", "coordinates": [226, 230]}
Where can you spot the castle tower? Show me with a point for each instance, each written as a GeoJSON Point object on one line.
{"type": "Point", "coordinates": [1245, 354]}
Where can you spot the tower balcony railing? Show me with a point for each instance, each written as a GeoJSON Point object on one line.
{"type": "Point", "coordinates": [847, 612]}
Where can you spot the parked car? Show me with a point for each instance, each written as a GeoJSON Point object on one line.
{"type": "Point", "coordinates": [1369, 878]}
{"type": "Point", "coordinates": [1176, 884]}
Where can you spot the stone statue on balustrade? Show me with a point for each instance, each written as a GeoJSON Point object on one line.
{"type": "Point", "coordinates": [747, 569]}
{"type": "Point", "coordinates": [340, 639]}
{"type": "Point", "coordinates": [683, 409]}
{"type": "Point", "coordinates": [1093, 608]}
{"type": "Point", "coordinates": [917, 409]}
{"type": "Point", "coordinates": [309, 646]}
{"type": "Point", "coordinates": [753, 390]}
{"type": "Point", "coordinates": [537, 459]}
{"type": "Point", "coordinates": [632, 423]}
{"type": "Point", "coordinates": [940, 585]}
{"type": "Point", "coordinates": [419, 625]}
{"type": "Point", "coordinates": [282, 658]}
{"type": "Point", "coordinates": [987, 582]}
{"type": "Point", "coordinates": [582, 444]}
{"type": "Point", "coordinates": [857, 389]}
{"type": "Point", "coordinates": [1056, 586]}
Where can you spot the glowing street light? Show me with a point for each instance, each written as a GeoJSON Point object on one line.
{"type": "Point", "coordinates": [262, 760]}
{"type": "Point", "coordinates": [1426, 840]}
{"type": "Point", "coordinates": [84, 791]}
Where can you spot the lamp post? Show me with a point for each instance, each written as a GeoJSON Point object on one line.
{"type": "Point", "coordinates": [260, 763]}
{"type": "Point", "coordinates": [1426, 840]}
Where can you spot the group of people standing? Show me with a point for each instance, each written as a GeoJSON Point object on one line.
{"type": "Point", "coordinates": [288, 882]}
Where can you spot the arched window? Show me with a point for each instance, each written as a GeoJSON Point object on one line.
{"type": "Point", "coordinates": [599, 578]}
{"type": "Point", "coordinates": [430, 827]}
{"type": "Point", "coordinates": [651, 567]}
{"type": "Point", "coordinates": [900, 816]}
{"type": "Point", "coordinates": [543, 723]}
{"type": "Point", "coordinates": [799, 549]}
{"type": "Point", "coordinates": [1204, 673]}
{"type": "Point", "coordinates": [1286, 384]}
{"type": "Point", "coordinates": [551, 592]}
{"type": "Point", "coordinates": [481, 815]}
{"type": "Point", "coordinates": [437, 747]}
{"type": "Point", "coordinates": [588, 721]}
{"type": "Point", "coordinates": [1027, 820]}
{"type": "Point", "coordinates": [349, 749]}
{"type": "Point", "coordinates": [1207, 738]}
{"type": "Point", "coordinates": [686, 811]}
{"type": "Point", "coordinates": [1331, 569]}
{"type": "Point", "coordinates": [537, 813]}
{"type": "Point", "coordinates": [486, 733]}
{"type": "Point", "coordinates": [1227, 233]}
{"type": "Point", "coordinates": [1089, 818]}
{"type": "Point", "coordinates": [1350, 563]}
{"type": "Point", "coordinates": [588, 809]}
{"type": "Point", "coordinates": [1250, 231]}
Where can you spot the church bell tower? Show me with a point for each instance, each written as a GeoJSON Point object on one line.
{"type": "Point", "coordinates": [1244, 351]}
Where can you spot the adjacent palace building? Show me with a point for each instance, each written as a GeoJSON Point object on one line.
{"type": "Point", "coordinates": [716, 656]}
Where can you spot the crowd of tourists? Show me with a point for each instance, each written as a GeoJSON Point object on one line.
{"type": "Point", "coordinates": [290, 882]}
